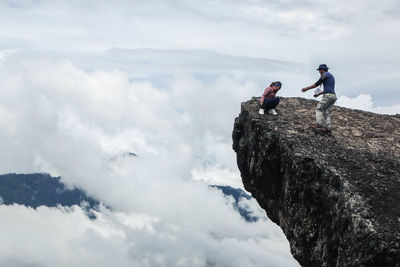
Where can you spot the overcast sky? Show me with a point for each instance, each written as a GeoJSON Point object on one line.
{"type": "Point", "coordinates": [83, 82]}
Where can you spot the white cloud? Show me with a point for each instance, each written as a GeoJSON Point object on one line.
{"type": "Point", "coordinates": [65, 237]}
{"type": "Point", "coordinates": [83, 82]}
{"type": "Point", "coordinates": [74, 123]}
{"type": "Point", "coordinates": [365, 102]}
{"type": "Point", "coordinates": [213, 174]}
{"type": "Point", "coordinates": [362, 101]}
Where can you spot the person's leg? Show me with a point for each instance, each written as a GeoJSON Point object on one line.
{"type": "Point", "coordinates": [270, 103]}
{"type": "Point", "coordinates": [267, 104]}
{"type": "Point", "coordinates": [328, 110]}
{"type": "Point", "coordinates": [319, 111]}
{"type": "Point", "coordinates": [275, 102]}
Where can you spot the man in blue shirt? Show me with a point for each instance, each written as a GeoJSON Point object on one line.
{"type": "Point", "coordinates": [325, 106]}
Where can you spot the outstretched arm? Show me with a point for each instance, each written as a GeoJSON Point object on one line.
{"type": "Point", "coordinates": [319, 82]}
{"type": "Point", "coordinates": [305, 89]}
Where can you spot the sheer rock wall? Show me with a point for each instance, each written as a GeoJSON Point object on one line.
{"type": "Point", "coordinates": [336, 198]}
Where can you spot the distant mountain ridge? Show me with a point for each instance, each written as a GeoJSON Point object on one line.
{"type": "Point", "coordinates": [238, 195]}
{"type": "Point", "coordinates": [40, 189]}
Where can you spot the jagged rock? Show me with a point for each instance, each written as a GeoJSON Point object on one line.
{"type": "Point", "coordinates": [336, 198]}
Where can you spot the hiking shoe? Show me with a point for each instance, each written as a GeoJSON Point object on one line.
{"type": "Point", "coordinates": [326, 130]}
{"type": "Point", "coordinates": [316, 126]}
{"type": "Point", "coordinates": [321, 129]}
{"type": "Point", "coordinates": [261, 111]}
{"type": "Point", "coordinates": [273, 112]}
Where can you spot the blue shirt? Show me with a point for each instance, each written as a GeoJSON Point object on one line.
{"type": "Point", "coordinates": [328, 81]}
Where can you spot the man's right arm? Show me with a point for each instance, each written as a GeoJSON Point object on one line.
{"type": "Point", "coordinates": [309, 87]}
{"type": "Point", "coordinates": [319, 82]}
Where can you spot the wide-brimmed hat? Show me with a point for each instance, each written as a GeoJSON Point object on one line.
{"type": "Point", "coordinates": [323, 67]}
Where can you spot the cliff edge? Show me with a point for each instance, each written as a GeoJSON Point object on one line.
{"type": "Point", "coordinates": [337, 199]}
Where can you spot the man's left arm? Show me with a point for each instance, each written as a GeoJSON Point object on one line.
{"type": "Point", "coordinates": [320, 93]}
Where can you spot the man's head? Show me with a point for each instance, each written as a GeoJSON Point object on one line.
{"type": "Point", "coordinates": [322, 68]}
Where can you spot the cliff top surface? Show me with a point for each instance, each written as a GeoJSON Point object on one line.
{"type": "Point", "coordinates": [364, 152]}
{"type": "Point", "coordinates": [353, 129]}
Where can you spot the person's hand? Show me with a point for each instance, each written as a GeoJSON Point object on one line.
{"type": "Point", "coordinates": [316, 95]}
{"type": "Point", "coordinates": [304, 89]}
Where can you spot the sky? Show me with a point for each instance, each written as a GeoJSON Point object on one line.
{"type": "Point", "coordinates": [85, 82]}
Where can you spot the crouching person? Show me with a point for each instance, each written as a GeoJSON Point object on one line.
{"type": "Point", "coordinates": [268, 100]}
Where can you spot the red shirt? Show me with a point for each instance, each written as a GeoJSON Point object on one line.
{"type": "Point", "coordinates": [269, 92]}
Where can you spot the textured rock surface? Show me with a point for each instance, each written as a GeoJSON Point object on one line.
{"type": "Point", "coordinates": [337, 198]}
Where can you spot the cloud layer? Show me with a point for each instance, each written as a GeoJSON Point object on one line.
{"type": "Point", "coordinates": [66, 237]}
{"type": "Point", "coordinates": [84, 82]}
{"type": "Point", "coordinates": [78, 124]}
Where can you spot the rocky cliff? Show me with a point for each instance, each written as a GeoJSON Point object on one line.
{"type": "Point", "coordinates": [337, 198]}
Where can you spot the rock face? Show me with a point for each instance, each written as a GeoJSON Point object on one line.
{"type": "Point", "coordinates": [336, 198]}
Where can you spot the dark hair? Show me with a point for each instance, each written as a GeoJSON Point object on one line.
{"type": "Point", "coordinates": [277, 83]}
